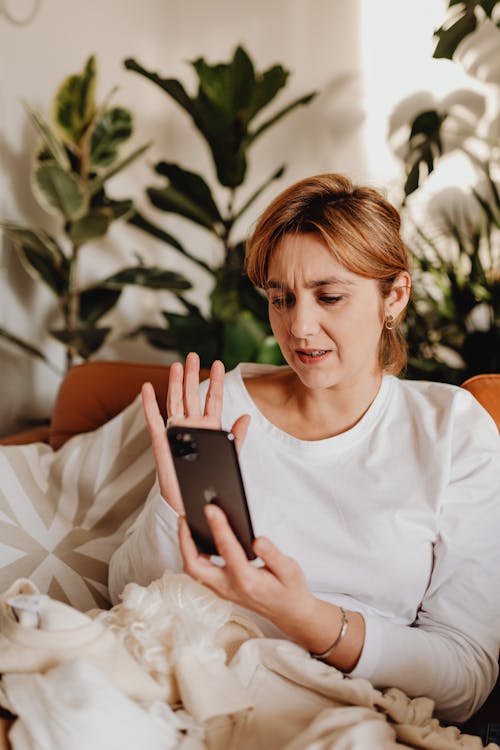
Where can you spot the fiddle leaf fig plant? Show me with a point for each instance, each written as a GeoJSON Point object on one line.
{"type": "Point", "coordinates": [81, 149]}
{"type": "Point", "coordinates": [226, 110]}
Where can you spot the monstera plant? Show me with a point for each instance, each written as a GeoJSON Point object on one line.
{"type": "Point", "coordinates": [453, 324]}
{"type": "Point", "coordinates": [226, 110]}
{"type": "Point", "coordinates": [80, 151]}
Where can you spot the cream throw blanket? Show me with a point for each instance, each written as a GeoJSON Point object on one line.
{"type": "Point", "coordinates": [230, 688]}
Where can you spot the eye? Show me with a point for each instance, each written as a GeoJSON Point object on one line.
{"type": "Point", "coordinates": [331, 299]}
{"type": "Point", "coordinates": [281, 303]}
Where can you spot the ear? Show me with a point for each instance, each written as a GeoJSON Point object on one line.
{"type": "Point", "coordinates": [398, 297]}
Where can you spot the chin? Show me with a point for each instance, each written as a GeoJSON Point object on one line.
{"type": "Point", "coordinates": [317, 378]}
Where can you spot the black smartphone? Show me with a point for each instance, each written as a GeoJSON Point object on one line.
{"type": "Point", "coordinates": [208, 471]}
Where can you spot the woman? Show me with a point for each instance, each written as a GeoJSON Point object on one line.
{"type": "Point", "coordinates": [375, 499]}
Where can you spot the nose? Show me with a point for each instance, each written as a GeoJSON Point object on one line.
{"type": "Point", "coordinates": [303, 320]}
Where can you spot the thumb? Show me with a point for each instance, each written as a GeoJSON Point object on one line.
{"type": "Point", "coordinates": [240, 429]}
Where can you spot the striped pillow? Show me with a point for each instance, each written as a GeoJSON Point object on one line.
{"type": "Point", "coordinates": [63, 513]}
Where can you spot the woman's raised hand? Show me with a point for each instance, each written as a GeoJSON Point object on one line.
{"type": "Point", "coordinates": [183, 408]}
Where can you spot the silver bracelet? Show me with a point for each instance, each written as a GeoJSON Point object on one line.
{"type": "Point", "coordinates": [343, 631]}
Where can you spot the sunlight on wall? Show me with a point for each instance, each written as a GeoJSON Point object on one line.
{"type": "Point", "coordinates": [397, 46]}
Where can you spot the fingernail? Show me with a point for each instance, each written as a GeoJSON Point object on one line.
{"type": "Point", "coordinates": [261, 545]}
{"type": "Point", "coordinates": [210, 511]}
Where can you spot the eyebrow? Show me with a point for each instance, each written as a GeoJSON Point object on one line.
{"type": "Point", "coordinates": [313, 284]}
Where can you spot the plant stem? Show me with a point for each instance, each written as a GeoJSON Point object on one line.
{"type": "Point", "coordinates": [72, 315]}
{"type": "Point", "coordinates": [228, 224]}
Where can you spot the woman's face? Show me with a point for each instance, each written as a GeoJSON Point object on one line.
{"type": "Point", "coordinates": [326, 319]}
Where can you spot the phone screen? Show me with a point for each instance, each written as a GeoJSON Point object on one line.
{"type": "Point", "coordinates": [208, 471]}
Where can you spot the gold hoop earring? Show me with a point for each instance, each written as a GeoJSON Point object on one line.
{"type": "Point", "coordinates": [389, 323]}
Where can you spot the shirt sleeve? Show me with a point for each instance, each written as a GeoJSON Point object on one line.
{"type": "Point", "coordinates": [150, 547]}
{"type": "Point", "coordinates": [451, 652]}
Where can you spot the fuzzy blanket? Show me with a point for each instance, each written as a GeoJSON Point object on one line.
{"type": "Point", "coordinates": [175, 667]}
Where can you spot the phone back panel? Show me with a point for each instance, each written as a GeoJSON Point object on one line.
{"type": "Point", "coordinates": [207, 468]}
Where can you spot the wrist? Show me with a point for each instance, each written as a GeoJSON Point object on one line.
{"type": "Point", "coordinates": [322, 628]}
{"type": "Point", "coordinates": [335, 644]}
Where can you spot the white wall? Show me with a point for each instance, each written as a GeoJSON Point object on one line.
{"type": "Point", "coordinates": [362, 56]}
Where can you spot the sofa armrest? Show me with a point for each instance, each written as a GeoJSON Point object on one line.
{"type": "Point", "coordinates": [94, 392]}
{"type": "Point", "coordinates": [33, 435]}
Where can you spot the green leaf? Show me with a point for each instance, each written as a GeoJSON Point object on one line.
{"type": "Point", "coordinates": [41, 255]}
{"type": "Point", "coordinates": [449, 37]}
{"type": "Point", "coordinates": [424, 146]}
{"type": "Point", "coordinates": [140, 221]}
{"type": "Point", "coordinates": [85, 341]}
{"type": "Point", "coordinates": [493, 216]}
{"type": "Point", "coordinates": [112, 129]}
{"type": "Point", "coordinates": [242, 79]}
{"type": "Point", "coordinates": [267, 86]}
{"type": "Point", "coordinates": [185, 333]}
{"type": "Point", "coordinates": [488, 6]}
{"type": "Point", "coordinates": [97, 183]}
{"type": "Point", "coordinates": [215, 91]}
{"type": "Point", "coordinates": [428, 124]}
{"type": "Point", "coordinates": [96, 302]}
{"type": "Point", "coordinates": [269, 352]}
{"type": "Point", "coordinates": [412, 179]}
{"type": "Point", "coordinates": [243, 338]}
{"type": "Point", "coordinates": [193, 333]}
{"type": "Point", "coordinates": [229, 96]}
{"type": "Point", "coordinates": [58, 192]}
{"type": "Point", "coordinates": [33, 351]}
{"type": "Point", "coordinates": [160, 338]}
{"type": "Point", "coordinates": [113, 209]}
{"type": "Point", "coordinates": [150, 277]}
{"type": "Point", "coordinates": [91, 226]}
{"type": "Point", "coordinates": [233, 291]}
{"type": "Point", "coordinates": [52, 144]}
{"type": "Point", "coordinates": [74, 103]}
{"type": "Point", "coordinates": [186, 194]}
{"type": "Point", "coordinates": [171, 86]}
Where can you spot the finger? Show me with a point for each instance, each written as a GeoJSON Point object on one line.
{"type": "Point", "coordinates": [191, 385]}
{"type": "Point", "coordinates": [175, 403]}
{"type": "Point", "coordinates": [167, 480]}
{"type": "Point", "coordinates": [283, 567]}
{"type": "Point", "coordinates": [213, 401]}
{"type": "Point", "coordinates": [197, 565]}
{"type": "Point", "coordinates": [225, 540]}
{"type": "Point", "coordinates": [240, 429]}
{"type": "Point", "coordinates": [187, 546]}
{"type": "Point", "coordinates": [154, 419]}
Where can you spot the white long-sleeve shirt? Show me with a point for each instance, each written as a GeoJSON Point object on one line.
{"type": "Point", "coordinates": [397, 518]}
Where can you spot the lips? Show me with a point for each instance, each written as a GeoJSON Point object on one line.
{"type": "Point", "coordinates": [312, 356]}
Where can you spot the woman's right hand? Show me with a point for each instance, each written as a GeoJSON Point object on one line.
{"type": "Point", "coordinates": [183, 408]}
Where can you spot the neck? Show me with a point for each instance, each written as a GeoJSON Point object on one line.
{"type": "Point", "coordinates": [325, 412]}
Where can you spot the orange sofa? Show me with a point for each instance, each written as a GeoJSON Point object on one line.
{"type": "Point", "coordinates": [94, 392]}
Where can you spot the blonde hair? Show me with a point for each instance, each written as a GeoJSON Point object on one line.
{"type": "Point", "coordinates": [359, 227]}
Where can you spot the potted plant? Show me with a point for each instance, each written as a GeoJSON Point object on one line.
{"type": "Point", "coordinates": [79, 153]}
{"type": "Point", "coordinates": [226, 111]}
{"type": "Point", "coordinates": [453, 323]}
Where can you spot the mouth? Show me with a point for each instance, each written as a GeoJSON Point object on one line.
{"type": "Point", "coordinates": [310, 356]}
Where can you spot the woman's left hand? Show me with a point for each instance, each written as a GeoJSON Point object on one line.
{"type": "Point", "coordinates": [277, 591]}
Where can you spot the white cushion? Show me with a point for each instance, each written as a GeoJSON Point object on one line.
{"type": "Point", "coordinates": [63, 513]}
